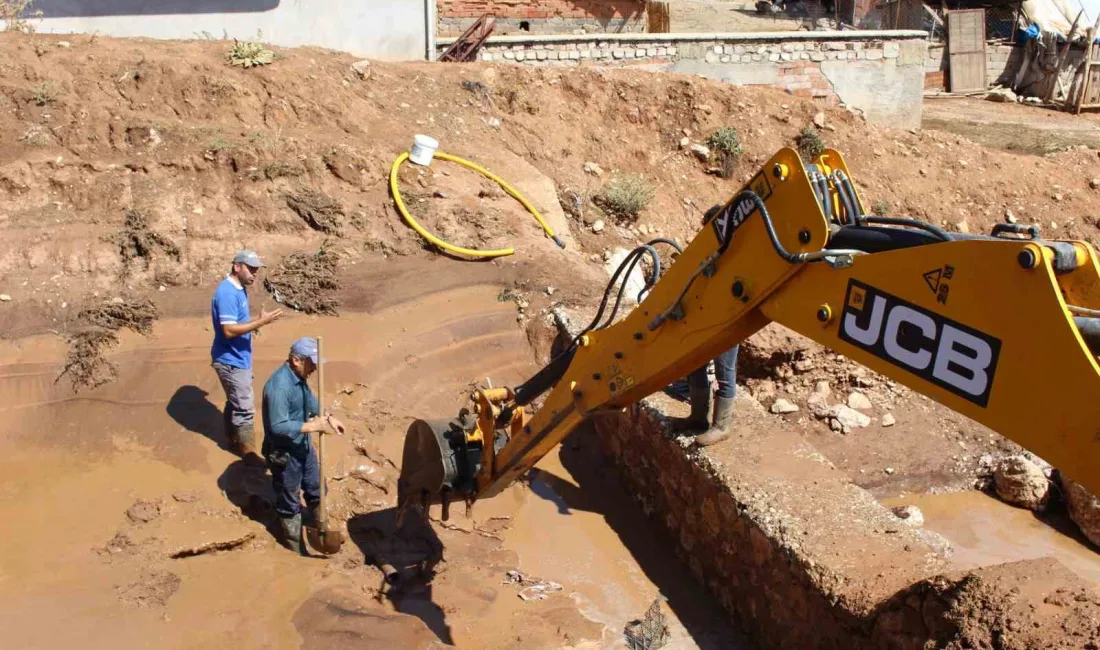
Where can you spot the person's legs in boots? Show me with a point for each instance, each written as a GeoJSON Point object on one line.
{"type": "Point", "coordinates": [240, 404]}
{"type": "Point", "coordinates": [699, 396]}
{"type": "Point", "coordinates": [311, 487]}
{"type": "Point", "coordinates": [287, 482]}
{"type": "Point", "coordinates": [725, 372]}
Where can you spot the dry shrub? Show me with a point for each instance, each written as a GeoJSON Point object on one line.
{"type": "Point", "coordinates": [96, 332]}
{"type": "Point", "coordinates": [137, 240]}
{"type": "Point", "coordinates": [725, 145]}
{"type": "Point", "coordinates": [625, 196]}
{"type": "Point", "coordinates": [810, 144]}
{"type": "Point", "coordinates": [319, 210]}
{"type": "Point", "coordinates": [305, 282]}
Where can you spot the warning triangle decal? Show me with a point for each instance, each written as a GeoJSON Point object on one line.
{"type": "Point", "coordinates": [933, 279]}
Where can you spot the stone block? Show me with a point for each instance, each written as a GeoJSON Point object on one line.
{"type": "Point", "coordinates": [651, 51]}
{"type": "Point", "coordinates": [747, 58]}
{"type": "Point", "coordinates": [873, 55]}
{"type": "Point", "coordinates": [662, 51]}
{"type": "Point", "coordinates": [785, 56]}
{"type": "Point", "coordinates": [521, 55]}
{"type": "Point", "coordinates": [804, 56]}
{"type": "Point", "coordinates": [757, 58]}
{"type": "Point", "coordinates": [510, 55]}
{"type": "Point", "coordinates": [618, 53]}
{"type": "Point", "coordinates": [639, 53]}
{"type": "Point", "coordinates": [586, 54]}
{"type": "Point", "coordinates": [717, 49]}
{"type": "Point", "coordinates": [541, 55]}
{"type": "Point", "coordinates": [773, 57]}
{"type": "Point", "coordinates": [817, 56]}
{"type": "Point", "coordinates": [835, 46]}
{"type": "Point", "coordinates": [738, 49]}
{"type": "Point", "coordinates": [672, 51]}
{"type": "Point", "coordinates": [725, 58]}
{"type": "Point", "coordinates": [711, 57]}
{"type": "Point", "coordinates": [891, 50]}
{"type": "Point", "coordinates": [787, 47]}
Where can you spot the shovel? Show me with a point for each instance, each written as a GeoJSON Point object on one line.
{"type": "Point", "coordinates": [322, 538]}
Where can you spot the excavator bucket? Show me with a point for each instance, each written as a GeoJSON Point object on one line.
{"type": "Point", "coordinates": [423, 470]}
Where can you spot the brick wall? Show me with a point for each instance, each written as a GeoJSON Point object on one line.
{"type": "Point", "coordinates": [544, 16]}
{"type": "Point", "coordinates": [878, 72]}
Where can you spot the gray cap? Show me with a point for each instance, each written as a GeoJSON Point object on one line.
{"type": "Point", "coordinates": [248, 257]}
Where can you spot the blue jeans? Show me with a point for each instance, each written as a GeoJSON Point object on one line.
{"type": "Point", "coordinates": [725, 373]}
{"type": "Point", "coordinates": [301, 474]}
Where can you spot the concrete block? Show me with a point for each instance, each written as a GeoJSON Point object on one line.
{"type": "Point", "coordinates": [725, 58]}
{"type": "Point", "coordinates": [891, 50]}
{"type": "Point", "coordinates": [787, 47]}
{"type": "Point", "coordinates": [803, 56]}
{"type": "Point", "coordinates": [912, 52]}
{"type": "Point", "coordinates": [510, 55]}
{"type": "Point", "coordinates": [747, 58]}
{"type": "Point", "coordinates": [651, 51]}
{"type": "Point", "coordinates": [817, 56]}
{"type": "Point", "coordinates": [639, 53]}
{"type": "Point", "coordinates": [785, 56]}
{"type": "Point", "coordinates": [486, 56]}
{"type": "Point", "coordinates": [662, 51]}
{"type": "Point", "coordinates": [773, 57]}
{"type": "Point", "coordinates": [586, 54]}
{"type": "Point", "coordinates": [835, 46]}
{"type": "Point", "coordinates": [717, 49]}
{"type": "Point", "coordinates": [738, 49]}
{"type": "Point", "coordinates": [762, 49]}
{"type": "Point", "coordinates": [618, 53]}
{"type": "Point", "coordinates": [757, 58]}
{"type": "Point", "coordinates": [541, 55]}
{"type": "Point", "coordinates": [574, 55]}
{"type": "Point", "coordinates": [521, 55]}
{"type": "Point", "coordinates": [874, 55]}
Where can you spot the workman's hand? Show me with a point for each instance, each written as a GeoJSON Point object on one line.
{"type": "Point", "coordinates": [314, 425]}
{"type": "Point", "coordinates": [336, 425]}
{"type": "Point", "coordinates": [267, 317]}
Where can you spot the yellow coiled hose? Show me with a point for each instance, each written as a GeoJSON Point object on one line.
{"type": "Point", "coordinates": [500, 252]}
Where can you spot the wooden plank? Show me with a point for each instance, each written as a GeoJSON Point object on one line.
{"type": "Point", "coordinates": [966, 50]}
{"type": "Point", "coordinates": [658, 19]}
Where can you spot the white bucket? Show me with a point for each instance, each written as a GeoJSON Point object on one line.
{"type": "Point", "coordinates": [423, 150]}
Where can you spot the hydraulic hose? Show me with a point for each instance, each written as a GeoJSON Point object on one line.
{"type": "Point", "coordinates": [500, 252]}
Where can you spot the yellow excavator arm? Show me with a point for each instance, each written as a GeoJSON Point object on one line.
{"type": "Point", "coordinates": [1001, 328]}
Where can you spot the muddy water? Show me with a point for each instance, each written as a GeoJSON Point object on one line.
{"type": "Point", "coordinates": [79, 569]}
{"type": "Point", "coordinates": [985, 531]}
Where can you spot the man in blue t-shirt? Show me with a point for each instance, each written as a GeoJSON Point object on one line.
{"type": "Point", "coordinates": [231, 352]}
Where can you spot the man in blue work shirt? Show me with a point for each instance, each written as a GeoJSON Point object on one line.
{"type": "Point", "coordinates": [231, 352]}
{"type": "Point", "coordinates": [290, 414]}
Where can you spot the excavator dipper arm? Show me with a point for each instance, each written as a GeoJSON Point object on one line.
{"type": "Point", "coordinates": [997, 328]}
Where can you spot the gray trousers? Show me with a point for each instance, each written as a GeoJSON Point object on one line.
{"type": "Point", "coordinates": [240, 402]}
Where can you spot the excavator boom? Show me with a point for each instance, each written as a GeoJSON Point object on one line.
{"type": "Point", "coordinates": [997, 328]}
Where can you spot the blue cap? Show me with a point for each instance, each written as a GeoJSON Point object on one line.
{"type": "Point", "coordinates": [249, 257]}
{"type": "Point", "coordinates": [305, 347]}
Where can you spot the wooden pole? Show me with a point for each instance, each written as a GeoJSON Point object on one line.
{"type": "Point", "coordinates": [1062, 58]}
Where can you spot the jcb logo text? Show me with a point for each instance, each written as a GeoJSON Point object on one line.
{"type": "Point", "coordinates": [937, 349]}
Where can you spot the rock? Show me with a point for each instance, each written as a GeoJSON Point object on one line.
{"type": "Point", "coordinates": [1009, 217]}
{"type": "Point", "coordinates": [847, 418]}
{"type": "Point", "coordinates": [1003, 95]}
{"type": "Point", "coordinates": [64, 44]}
{"type": "Point", "coordinates": [143, 512]}
{"type": "Point", "coordinates": [910, 515]}
{"type": "Point", "coordinates": [705, 108]}
{"type": "Point", "coordinates": [593, 168]}
{"type": "Point", "coordinates": [859, 401]}
{"type": "Point", "coordinates": [888, 420]}
{"type": "Point", "coordinates": [818, 404]}
{"type": "Point", "coordinates": [1094, 183]}
{"type": "Point", "coordinates": [1084, 509]}
{"type": "Point", "coordinates": [5, 297]}
{"type": "Point", "coordinates": [185, 497]}
{"type": "Point", "coordinates": [1033, 100]}
{"type": "Point", "coordinates": [782, 406]}
{"type": "Point", "coordinates": [702, 152]}
{"type": "Point", "coordinates": [549, 291]}
{"type": "Point", "coordinates": [361, 68]}
{"type": "Point", "coordinates": [819, 120]}
{"type": "Point", "coordinates": [963, 164]}
{"type": "Point", "coordinates": [963, 227]}
{"type": "Point", "coordinates": [889, 470]}
{"type": "Point", "coordinates": [684, 142]}
{"type": "Point", "coordinates": [1058, 197]}
{"type": "Point", "coordinates": [598, 226]}
{"type": "Point", "coordinates": [1022, 483]}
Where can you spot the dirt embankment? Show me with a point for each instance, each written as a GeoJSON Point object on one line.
{"type": "Point", "coordinates": [132, 169]}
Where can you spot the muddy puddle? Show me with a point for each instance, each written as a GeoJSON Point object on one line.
{"type": "Point", "coordinates": [985, 531]}
{"type": "Point", "coordinates": [107, 485]}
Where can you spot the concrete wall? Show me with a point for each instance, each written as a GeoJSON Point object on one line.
{"type": "Point", "coordinates": [380, 29]}
{"type": "Point", "coordinates": [544, 16]}
{"type": "Point", "coordinates": [880, 73]}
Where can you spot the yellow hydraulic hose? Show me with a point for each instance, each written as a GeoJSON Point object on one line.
{"type": "Point", "coordinates": [451, 247]}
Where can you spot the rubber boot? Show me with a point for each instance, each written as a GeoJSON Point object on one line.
{"type": "Point", "coordinates": [720, 430]}
{"type": "Point", "coordinates": [246, 444]}
{"type": "Point", "coordinates": [292, 532]}
{"type": "Point", "coordinates": [699, 396]}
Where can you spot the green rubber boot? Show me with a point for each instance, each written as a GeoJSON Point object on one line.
{"type": "Point", "coordinates": [720, 430]}
{"type": "Point", "coordinates": [292, 532]}
{"type": "Point", "coordinates": [699, 396]}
